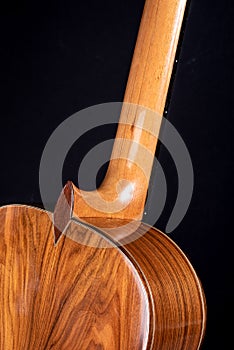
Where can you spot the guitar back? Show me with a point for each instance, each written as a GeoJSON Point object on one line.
{"type": "Point", "coordinates": [85, 292]}
{"type": "Point", "coordinates": [69, 285]}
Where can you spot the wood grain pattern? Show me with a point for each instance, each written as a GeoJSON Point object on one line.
{"type": "Point", "coordinates": [178, 319]}
{"type": "Point", "coordinates": [140, 119]}
{"type": "Point", "coordinates": [111, 283]}
{"type": "Point", "coordinates": [79, 295]}
{"type": "Point", "coordinates": [68, 296]}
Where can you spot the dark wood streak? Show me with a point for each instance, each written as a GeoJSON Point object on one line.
{"type": "Point", "coordinates": [93, 289]}
{"type": "Point", "coordinates": [179, 306]}
{"type": "Point", "coordinates": [142, 295]}
{"type": "Point", "coordinates": [69, 295]}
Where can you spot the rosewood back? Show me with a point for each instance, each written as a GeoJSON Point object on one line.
{"type": "Point", "coordinates": [87, 278]}
{"type": "Point", "coordinates": [88, 293]}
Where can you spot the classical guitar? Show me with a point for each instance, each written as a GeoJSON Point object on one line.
{"type": "Point", "coordinates": [92, 275]}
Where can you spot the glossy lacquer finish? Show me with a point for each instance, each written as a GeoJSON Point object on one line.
{"type": "Point", "coordinates": [141, 116]}
{"type": "Point", "coordinates": [68, 296]}
{"type": "Point", "coordinates": [92, 275]}
{"type": "Point", "coordinates": [85, 292]}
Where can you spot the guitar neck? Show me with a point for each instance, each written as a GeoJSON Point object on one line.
{"type": "Point", "coordinates": [154, 54]}
{"type": "Point", "coordinates": [145, 97]}
{"type": "Point", "coordinates": [123, 192]}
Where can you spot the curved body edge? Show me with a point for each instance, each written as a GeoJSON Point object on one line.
{"type": "Point", "coordinates": [87, 292]}
{"type": "Point", "coordinates": [178, 318]}
{"type": "Point", "coordinates": [68, 295]}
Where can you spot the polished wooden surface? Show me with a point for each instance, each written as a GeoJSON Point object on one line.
{"type": "Point", "coordinates": [140, 120]}
{"type": "Point", "coordinates": [68, 296]}
{"type": "Point", "coordinates": [89, 276]}
{"type": "Point", "coordinates": [86, 292]}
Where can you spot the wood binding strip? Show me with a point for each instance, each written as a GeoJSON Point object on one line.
{"type": "Point", "coordinates": [140, 119]}
{"type": "Point", "coordinates": [178, 307]}
{"type": "Point", "coordinates": [93, 298]}
{"type": "Point", "coordinates": [68, 296]}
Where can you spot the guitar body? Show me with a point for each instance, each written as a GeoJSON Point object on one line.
{"type": "Point", "coordinates": [86, 292]}
{"type": "Point", "coordinates": [92, 275]}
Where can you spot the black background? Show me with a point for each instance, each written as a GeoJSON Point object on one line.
{"type": "Point", "coordinates": [61, 56]}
